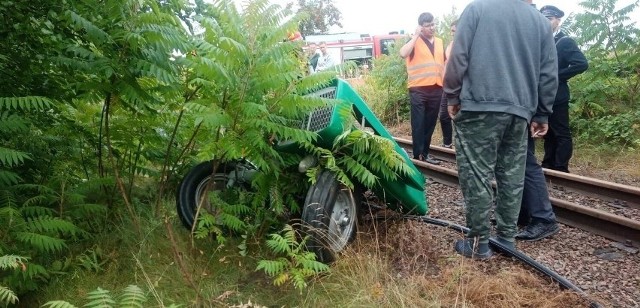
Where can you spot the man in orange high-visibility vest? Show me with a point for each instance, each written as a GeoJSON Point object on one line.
{"type": "Point", "coordinates": [424, 55]}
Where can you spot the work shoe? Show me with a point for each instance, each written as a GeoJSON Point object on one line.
{"type": "Point", "coordinates": [466, 248]}
{"type": "Point", "coordinates": [432, 161]}
{"type": "Point", "coordinates": [429, 159]}
{"type": "Point", "coordinates": [537, 231]}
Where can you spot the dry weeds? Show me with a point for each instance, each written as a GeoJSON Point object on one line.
{"type": "Point", "coordinates": [411, 264]}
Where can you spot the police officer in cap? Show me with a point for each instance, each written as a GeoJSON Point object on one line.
{"type": "Point", "coordinates": [558, 143]}
{"type": "Point", "coordinates": [536, 211]}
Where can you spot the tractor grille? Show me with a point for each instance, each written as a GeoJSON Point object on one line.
{"type": "Point", "coordinates": [319, 119]}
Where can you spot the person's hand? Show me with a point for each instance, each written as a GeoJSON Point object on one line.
{"type": "Point", "coordinates": [538, 130]}
{"type": "Point", "coordinates": [453, 110]}
{"type": "Point", "coordinates": [418, 31]}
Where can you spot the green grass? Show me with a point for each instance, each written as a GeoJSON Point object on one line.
{"type": "Point", "coordinates": [148, 261]}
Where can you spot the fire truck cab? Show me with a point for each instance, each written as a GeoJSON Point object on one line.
{"type": "Point", "coordinates": [360, 48]}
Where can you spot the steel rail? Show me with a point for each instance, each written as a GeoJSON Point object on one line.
{"type": "Point", "coordinates": [595, 221]}
{"type": "Point", "coordinates": [624, 195]}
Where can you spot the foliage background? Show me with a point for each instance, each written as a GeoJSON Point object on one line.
{"type": "Point", "coordinates": [606, 98]}
{"type": "Point", "coordinates": [105, 104]}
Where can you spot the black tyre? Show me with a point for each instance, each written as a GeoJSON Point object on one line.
{"type": "Point", "coordinates": [329, 217]}
{"type": "Point", "coordinates": [194, 187]}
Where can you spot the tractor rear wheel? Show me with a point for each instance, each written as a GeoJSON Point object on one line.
{"type": "Point", "coordinates": [201, 180]}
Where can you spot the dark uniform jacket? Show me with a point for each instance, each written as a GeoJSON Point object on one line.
{"type": "Point", "coordinates": [571, 62]}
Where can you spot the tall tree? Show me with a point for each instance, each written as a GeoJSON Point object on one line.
{"type": "Point", "coordinates": [321, 15]}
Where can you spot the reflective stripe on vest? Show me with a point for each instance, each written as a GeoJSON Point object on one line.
{"type": "Point", "coordinates": [424, 69]}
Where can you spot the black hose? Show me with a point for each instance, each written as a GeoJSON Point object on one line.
{"type": "Point", "coordinates": [564, 282]}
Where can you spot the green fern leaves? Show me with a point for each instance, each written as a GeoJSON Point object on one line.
{"type": "Point", "coordinates": [357, 155]}
{"type": "Point", "coordinates": [131, 297]}
{"type": "Point", "coordinates": [8, 178]}
{"type": "Point", "coordinates": [11, 124]}
{"type": "Point", "coordinates": [11, 158]}
{"type": "Point", "coordinates": [58, 304]}
{"type": "Point", "coordinates": [11, 262]}
{"type": "Point", "coordinates": [100, 298]}
{"type": "Point", "coordinates": [273, 267]}
{"type": "Point", "coordinates": [33, 226]}
{"type": "Point", "coordinates": [25, 103]}
{"type": "Point", "coordinates": [41, 242]}
{"type": "Point", "coordinates": [295, 265]}
{"type": "Point", "coordinates": [7, 296]}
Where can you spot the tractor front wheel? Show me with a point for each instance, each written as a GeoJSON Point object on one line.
{"type": "Point", "coordinates": [330, 217]}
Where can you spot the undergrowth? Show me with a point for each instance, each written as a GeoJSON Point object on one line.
{"type": "Point", "coordinates": [401, 264]}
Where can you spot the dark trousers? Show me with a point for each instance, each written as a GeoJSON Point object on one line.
{"type": "Point", "coordinates": [536, 206]}
{"type": "Point", "coordinates": [425, 105]}
{"type": "Point", "coordinates": [445, 122]}
{"type": "Point", "coordinates": [558, 145]}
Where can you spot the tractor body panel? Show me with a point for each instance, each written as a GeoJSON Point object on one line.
{"type": "Point", "coordinates": [408, 190]}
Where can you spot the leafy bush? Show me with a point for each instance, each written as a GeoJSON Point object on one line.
{"type": "Point", "coordinates": [620, 130]}
{"type": "Point", "coordinates": [11, 262]}
{"type": "Point", "coordinates": [37, 220]}
{"type": "Point", "coordinates": [231, 217]}
{"type": "Point", "coordinates": [106, 97]}
{"type": "Point", "coordinates": [607, 96]}
{"type": "Point", "coordinates": [37, 230]}
{"type": "Point", "coordinates": [295, 265]}
{"type": "Point", "coordinates": [131, 296]}
{"type": "Point", "coordinates": [15, 123]}
{"type": "Point", "coordinates": [385, 89]}
{"type": "Point", "coordinates": [357, 156]}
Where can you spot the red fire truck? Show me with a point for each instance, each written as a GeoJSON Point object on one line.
{"type": "Point", "coordinates": [360, 48]}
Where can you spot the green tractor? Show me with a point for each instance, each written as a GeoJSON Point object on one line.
{"type": "Point", "coordinates": [330, 210]}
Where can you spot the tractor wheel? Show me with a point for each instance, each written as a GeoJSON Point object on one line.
{"type": "Point", "coordinates": [193, 188]}
{"type": "Point", "coordinates": [329, 217]}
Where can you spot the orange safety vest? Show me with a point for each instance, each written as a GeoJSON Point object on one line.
{"type": "Point", "coordinates": [425, 69]}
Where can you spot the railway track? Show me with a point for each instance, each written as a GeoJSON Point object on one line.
{"type": "Point", "coordinates": [605, 224]}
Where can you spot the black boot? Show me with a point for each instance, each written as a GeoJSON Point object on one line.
{"type": "Point", "coordinates": [538, 230]}
{"type": "Point", "coordinates": [505, 243]}
{"type": "Point", "coordinates": [469, 249]}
